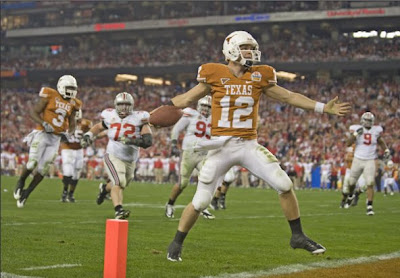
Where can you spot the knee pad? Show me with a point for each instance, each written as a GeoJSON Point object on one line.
{"type": "Point", "coordinates": [31, 165]}
{"type": "Point", "coordinates": [207, 173]}
{"type": "Point", "coordinates": [283, 182]}
{"type": "Point", "coordinates": [122, 182]}
{"type": "Point", "coordinates": [201, 199]}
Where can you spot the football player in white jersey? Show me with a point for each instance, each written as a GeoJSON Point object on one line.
{"type": "Point", "coordinates": [366, 137]}
{"type": "Point", "coordinates": [307, 178]}
{"type": "Point", "coordinates": [236, 89]}
{"type": "Point", "coordinates": [325, 174]}
{"type": "Point", "coordinates": [127, 131]}
{"type": "Point", "coordinates": [196, 124]}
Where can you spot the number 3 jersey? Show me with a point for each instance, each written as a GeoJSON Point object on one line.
{"type": "Point", "coordinates": [57, 110]}
{"type": "Point", "coordinates": [128, 127]}
{"type": "Point", "coordinates": [366, 143]}
{"type": "Point", "coordinates": [196, 125]}
{"type": "Point", "coordinates": [235, 100]}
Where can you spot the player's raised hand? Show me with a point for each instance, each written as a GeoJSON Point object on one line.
{"type": "Point", "coordinates": [335, 107]}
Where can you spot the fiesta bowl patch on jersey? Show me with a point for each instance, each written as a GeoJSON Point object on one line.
{"type": "Point", "coordinates": [165, 116]}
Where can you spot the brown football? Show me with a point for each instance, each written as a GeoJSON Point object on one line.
{"type": "Point", "coordinates": [165, 115]}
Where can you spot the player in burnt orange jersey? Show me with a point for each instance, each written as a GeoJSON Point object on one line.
{"type": "Point", "coordinates": [235, 89]}
{"type": "Point", "coordinates": [72, 158]}
{"type": "Point", "coordinates": [55, 115]}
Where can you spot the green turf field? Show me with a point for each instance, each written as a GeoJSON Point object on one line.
{"type": "Point", "coordinates": [252, 236]}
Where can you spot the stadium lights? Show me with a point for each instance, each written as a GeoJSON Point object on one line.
{"type": "Point", "coordinates": [370, 34]}
{"type": "Point", "coordinates": [286, 75]}
{"type": "Point", "coordinates": [125, 77]}
{"type": "Point", "coordinates": [153, 81]}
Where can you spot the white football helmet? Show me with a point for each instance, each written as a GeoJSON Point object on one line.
{"type": "Point", "coordinates": [124, 104]}
{"type": "Point", "coordinates": [232, 52]}
{"type": "Point", "coordinates": [390, 164]}
{"type": "Point", "coordinates": [204, 106]}
{"type": "Point", "coordinates": [67, 86]}
{"type": "Point", "coordinates": [367, 120]}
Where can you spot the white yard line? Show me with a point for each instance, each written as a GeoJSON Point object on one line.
{"type": "Point", "coordinates": [287, 269]}
{"type": "Point", "coordinates": [50, 266]}
{"type": "Point", "coordinates": [11, 275]}
{"type": "Point", "coordinates": [221, 217]}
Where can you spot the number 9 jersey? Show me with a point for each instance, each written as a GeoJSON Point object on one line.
{"type": "Point", "coordinates": [235, 100]}
{"type": "Point", "coordinates": [128, 127]}
{"type": "Point", "coordinates": [366, 144]}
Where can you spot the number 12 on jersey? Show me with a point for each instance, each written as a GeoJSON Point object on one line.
{"type": "Point", "coordinates": [237, 113]}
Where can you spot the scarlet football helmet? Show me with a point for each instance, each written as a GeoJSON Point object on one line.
{"type": "Point", "coordinates": [124, 104]}
{"type": "Point", "coordinates": [367, 120]}
{"type": "Point", "coordinates": [204, 106]}
{"type": "Point", "coordinates": [232, 52]}
{"type": "Point", "coordinates": [67, 86]}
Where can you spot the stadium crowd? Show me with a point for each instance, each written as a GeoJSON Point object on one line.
{"type": "Point", "coordinates": [293, 135]}
{"type": "Point", "coordinates": [67, 13]}
{"type": "Point", "coordinates": [287, 46]}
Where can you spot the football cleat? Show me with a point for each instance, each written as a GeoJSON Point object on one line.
{"type": "Point", "coordinates": [122, 214]}
{"type": "Point", "coordinates": [222, 203]}
{"type": "Point", "coordinates": [301, 241]}
{"type": "Point", "coordinates": [64, 197]}
{"type": "Point", "coordinates": [169, 211]}
{"type": "Point", "coordinates": [102, 193]}
{"type": "Point", "coordinates": [21, 201]}
{"type": "Point", "coordinates": [349, 201]}
{"type": "Point", "coordinates": [206, 214]}
{"type": "Point", "coordinates": [174, 252]}
{"type": "Point", "coordinates": [18, 190]}
{"type": "Point", "coordinates": [342, 203]}
{"type": "Point", "coordinates": [370, 211]}
{"type": "Point", "coordinates": [71, 198]}
{"type": "Point", "coordinates": [214, 204]}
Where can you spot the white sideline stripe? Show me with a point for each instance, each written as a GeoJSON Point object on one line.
{"type": "Point", "coordinates": [287, 269]}
{"type": "Point", "coordinates": [220, 217]}
{"type": "Point", "coordinates": [11, 275]}
{"type": "Point", "coordinates": [50, 266]}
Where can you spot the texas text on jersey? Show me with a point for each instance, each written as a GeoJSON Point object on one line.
{"type": "Point", "coordinates": [57, 110]}
{"type": "Point", "coordinates": [235, 100]}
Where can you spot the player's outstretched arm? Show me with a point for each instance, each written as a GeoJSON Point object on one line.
{"type": "Point", "coordinates": [333, 107]}
{"type": "Point", "coordinates": [191, 96]}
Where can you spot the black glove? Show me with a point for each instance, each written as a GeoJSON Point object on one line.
{"type": "Point", "coordinates": [358, 132]}
{"type": "Point", "coordinates": [86, 140]}
{"type": "Point", "coordinates": [174, 149]}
